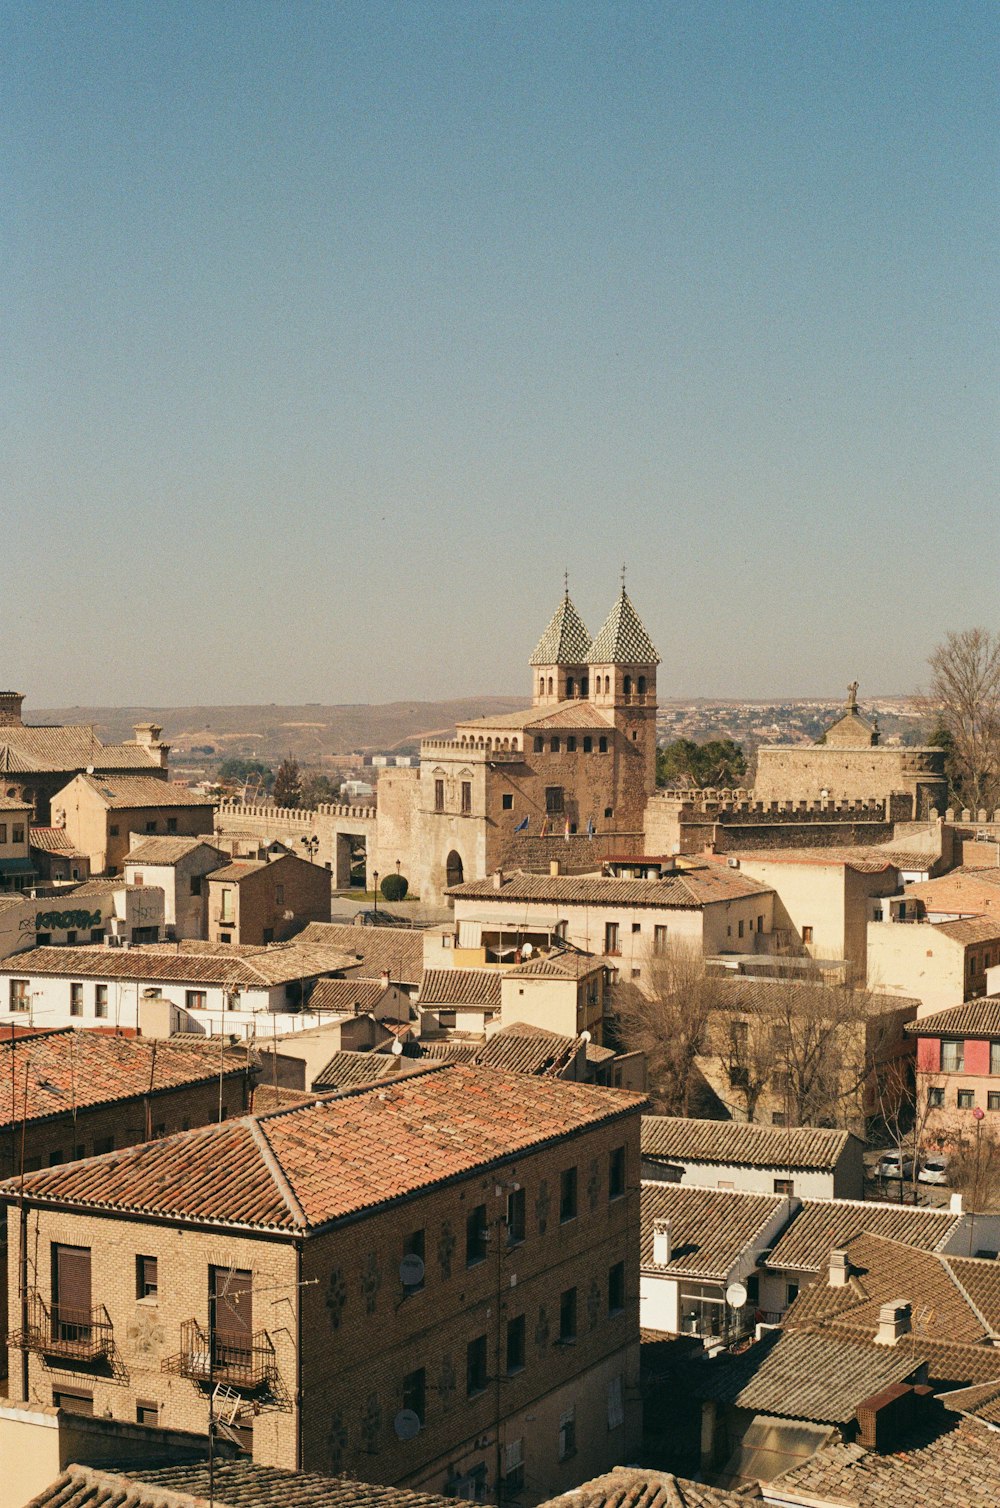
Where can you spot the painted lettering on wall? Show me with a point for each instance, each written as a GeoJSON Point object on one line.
{"type": "Point", "coordinates": [46, 921]}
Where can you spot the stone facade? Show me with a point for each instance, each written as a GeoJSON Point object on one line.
{"type": "Point", "coordinates": [261, 902]}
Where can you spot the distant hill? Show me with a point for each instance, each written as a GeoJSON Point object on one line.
{"type": "Point", "coordinates": [312, 733]}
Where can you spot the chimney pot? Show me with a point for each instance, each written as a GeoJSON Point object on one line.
{"type": "Point", "coordinates": [893, 1322]}
{"type": "Point", "coordinates": [554, 868]}
{"type": "Point", "coordinates": [498, 880]}
{"type": "Point", "coordinates": [661, 1242]}
{"type": "Point", "coordinates": [839, 1269]}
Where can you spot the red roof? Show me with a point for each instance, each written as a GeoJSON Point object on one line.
{"type": "Point", "coordinates": [300, 1168]}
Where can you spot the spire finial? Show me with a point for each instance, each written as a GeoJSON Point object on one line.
{"type": "Point", "coordinates": [623, 578]}
{"type": "Point", "coordinates": [566, 583]}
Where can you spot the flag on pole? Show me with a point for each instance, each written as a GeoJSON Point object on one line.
{"type": "Point", "coordinates": [590, 829]}
{"type": "Point", "coordinates": [522, 827]}
{"type": "Point", "coordinates": [545, 827]}
{"type": "Point", "coordinates": [566, 830]}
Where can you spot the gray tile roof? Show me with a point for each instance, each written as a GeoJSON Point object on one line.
{"type": "Point", "coordinates": [727, 1142]}
{"type": "Point", "coordinates": [168, 851]}
{"type": "Point", "coordinates": [824, 1224]}
{"type": "Point", "coordinates": [970, 929]}
{"type": "Point", "coordinates": [976, 1018]}
{"type": "Point", "coordinates": [348, 1068]}
{"type": "Point", "coordinates": [687, 889]}
{"type": "Point", "coordinates": [954, 1469]}
{"type": "Point", "coordinates": [457, 987]}
{"type": "Point", "coordinates": [69, 749]}
{"type": "Point", "coordinates": [565, 641]}
{"type": "Point", "coordinates": [623, 639]}
{"type": "Point", "coordinates": [395, 950]}
{"type": "Point", "coordinates": [710, 1229]}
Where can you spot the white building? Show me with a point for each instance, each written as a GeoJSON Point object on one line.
{"type": "Point", "coordinates": [178, 866]}
{"type": "Point", "coordinates": [93, 912]}
{"type": "Point", "coordinates": [810, 1161]}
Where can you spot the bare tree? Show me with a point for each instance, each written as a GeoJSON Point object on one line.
{"type": "Point", "coordinates": [667, 1019]}
{"type": "Point", "coordinates": [965, 691]}
{"type": "Point", "coordinates": [974, 1170]}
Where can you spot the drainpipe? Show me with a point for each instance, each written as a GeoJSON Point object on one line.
{"type": "Point", "coordinates": [23, 1285]}
{"type": "Point", "coordinates": [298, 1355]}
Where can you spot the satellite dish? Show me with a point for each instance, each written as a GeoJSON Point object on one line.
{"type": "Point", "coordinates": [407, 1422]}
{"type": "Point", "coordinates": [411, 1275]}
{"type": "Point", "coordinates": [736, 1295]}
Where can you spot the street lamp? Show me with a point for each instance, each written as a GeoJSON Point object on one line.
{"type": "Point", "coordinates": [375, 888]}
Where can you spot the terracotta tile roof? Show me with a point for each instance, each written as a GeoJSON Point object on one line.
{"type": "Point", "coordinates": [374, 950]}
{"type": "Point", "coordinates": [343, 1154]}
{"type": "Point", "coordinates": [53, 840]}
{"type": "Point", "coordinates": [235, 1484]}
{"type": "Point", "coordinates": [350, 997]}
{"type": "Point", "coordinates": [565, 640]}
{"type": "Point", "coordinates": [963, 889]}
{"type": "Point", "coordinates": [644, 1487]}
{"type": "Point", "coordinates": [970, 929]}
{"type": "Point", "coordinates": [622, 638]}
{"type": "Point", "coordinates": [752, 1146]}
{"type": "Point", "coordinates": [976, 1018]}
{"type": "Point", "coordinates": [458, 987]}
{"type": "Point", "coordinates": [67, 749]}
{"type": "Point", "coordinates": [822, 1225]}
{"type": "Point", "coordinates": [744, 992]}
{"type": "Point", "coordinates": [980, 1401]}
{"type": "Point", "coordinates": [953, 1469]}
{"type": "Point", "coordinates": [800, 1374]}
{"type": "Point", "coordinates": [688, 889]}
{"type": "Point", "coordinates": [130, 791]}
{"type": "Point", "coordinates": [979, 1280]}
{"type": "Point", "coordinates": [239, 869]}
{"type": "Point", "coordinates": [8, 804]}
{"type": "Point", "coordinates": [179, 964]}
{"type": "Point", "coordinates": [267, 1098]}
{"type": "Point", "coordinates": [863, 860]}
{"type": "Point", "coordinates": [168, 851]}
{"type": "Point", "coordinates": [710, 1229]}
{"type": "Point", "coordinates": [559, 966]}
{"type": "Point", "coordinates": [347, 1069]}
{"type": "Point", "coordinates": [574, 714]}
{"type": "Point", "coordinates": [63, 1071]}
{"type": "Point", "coordinates": [521, 1048]}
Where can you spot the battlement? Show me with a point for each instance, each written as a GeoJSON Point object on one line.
{"type": "Point", "coordinates": [231, 806]}
{"type": "Point", "coordinates": [740, 806]}
{"type": "Point", "coordinates": [475, 750]}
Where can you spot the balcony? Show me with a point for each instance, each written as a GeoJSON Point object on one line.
{"type": "Point", "coordinates": [80, 1335]}
{"type": "Point", "coordinates": [234, 1359]}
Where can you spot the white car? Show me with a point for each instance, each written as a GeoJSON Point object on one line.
{"type": "Point", "coordinates": [895, 1165]}
{"type": "Point", "coordinates": [934, 1170]}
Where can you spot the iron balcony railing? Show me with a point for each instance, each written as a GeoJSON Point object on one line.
{"type": "Point", "coordinates": [231, 1357]}
{"type": "Point", "coordinates": [57, 1330]}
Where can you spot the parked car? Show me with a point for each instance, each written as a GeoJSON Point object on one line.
{"type": "Point", "coordinates": [934, 1170]}
{"type": "Point", "coordinates": [895, 1165]}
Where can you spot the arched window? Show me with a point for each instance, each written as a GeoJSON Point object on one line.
{"type": "Point", "coordinates": [513, 744]}
{"type": "Point", "coordinates": [539, 743]}
{"type": "Point", "coordinates": [584, 686]}
{"type": "Point", "coordinates": [550, 685]}
{"type": "Point", "coordinates": [607, 685]}
{"type": "Point", "coordinates": [602, 745]}
{"type": "Point", "coordinates": [455, 870]}
{"type": "Point", "coordinates": [541, 685]}
{"type": "Point", "coordinates": [627, 685]}
{"type": "Point", "coordinates": [554, 745]}
{"type": "Point", "coordinates": [570, 686]}
{"type": "Point", "coordinates": [642, 685]}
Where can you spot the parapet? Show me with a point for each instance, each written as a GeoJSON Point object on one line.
{"type": "Point", "coordinates": [230, 806]}
{"type": "Point", "coordinates": [739, 805]}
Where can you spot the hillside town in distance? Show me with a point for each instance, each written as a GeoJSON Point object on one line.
{"type": "Point", "coordinates": [592, 1106]}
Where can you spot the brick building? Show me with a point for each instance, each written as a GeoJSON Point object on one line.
{"type": "Point", "coordinates": [99, 814]}
{"type": "Point", "coordinates": [263, 901]}
{"type": "Point", "coordinates": [431, 1282]}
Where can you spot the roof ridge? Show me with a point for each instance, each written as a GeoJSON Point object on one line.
{"type": "Point", "coordinates": [275, 1169]}
{"type": "Point", "coordinates": [945, 1259]}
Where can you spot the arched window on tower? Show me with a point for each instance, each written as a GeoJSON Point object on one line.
{"type": "Point", "coordinates": [570, 686]}
{"type": "Point", "coordinates": [541, 685]}
{"type": "Point", "coordinates": [550, 685]}
{"type": "Point", "coordinates": [627, 685]}
{"type": "Point", "coordinates": [607, 685]}
{"type": "Point", "coordinates": [642, 685]}
{"type": "Point", "coordinates": [584, 686]}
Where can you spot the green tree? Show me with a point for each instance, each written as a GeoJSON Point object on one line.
{"type": "Point", "coordinates": [319, 789]}
{"type": "Point", "coordinates": [287, 784]}
{"type": "Point", "coordinates": [718, 763]}
{"type": "Point", "coordinates": [234, 769]}
{"type": "Point", "coordinates": [394, 887]}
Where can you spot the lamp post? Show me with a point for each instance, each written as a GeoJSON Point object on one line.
{"type": "Point", "coordinates": [375, 889]}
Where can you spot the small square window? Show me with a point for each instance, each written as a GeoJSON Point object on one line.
{"type": "Point", "coordinates": [145, 1277]}
{"type": "Point", "coordinates": [966, 1099]}
{"type": "Point", "coordinates": [784, 1185]}
{"type": "Point", "coordinates": [993, 1100]}
{"type": "Point", "coordinates": [567, 1195]}
{"type": "Point", "coordinates": [147, 1413]}
{"type": "Point", "coordinates": [935, 1098]}
{"type": "Point", "coordinates": [507, 801]}
{"type": "Point", "coordinates": [609, 811]}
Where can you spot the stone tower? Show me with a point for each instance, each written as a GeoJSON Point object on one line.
{"type": "Point", "coordinates": [559, 662]}
{"type": "Point", "coordinates": [10, 709]}
{"type": "Point", "coordinates": [622, 667]}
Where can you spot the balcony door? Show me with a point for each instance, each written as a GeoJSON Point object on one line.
{"type": "Point", "coordinates": [230, 1315]}
{"type": "Point", "coordinates": [72, 1304]}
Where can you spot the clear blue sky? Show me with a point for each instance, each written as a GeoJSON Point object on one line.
{"type": "Point", "coordinates": [332, 333]}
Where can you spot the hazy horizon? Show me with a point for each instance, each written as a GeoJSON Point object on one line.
{"type": "Point", "coordinates": [333, 335]}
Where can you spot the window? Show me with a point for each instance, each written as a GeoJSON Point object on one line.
{"type": "Point", "coordinates": [475, 1236]}
{"type": "Point", "coordinates": [515, 1217]}
{"type": "Point", "coordinates": [553, 799]}
{"type": "Point", "coordinates": [660, 935]}
{"type": "Point", "coordinates": [567, 1315]}
{"type": "Point", "coordinates": [20, 994]}
{"type": "Point", "coordinates": [784, 1185]}
{"type": "Point", "coordinates": [97, 934]}
{"type": "Point", "coordinates": [760, 924]}
{"type": "Point", "coordinates": [952, 1056]}
{"type": "Point", "coordinates": [567, 1435]}
{"type": "Point", "coordinates": [513, 1466]}
{"type": "Point", "coordinates": [439, 795]}
{"type": "Point", "coordinates": [196, 1000]}
{"type": "Point", "coordinates": [414, 1246]}
{"type": "Point", "coordinates": [554, 743]}
{"type": "Point", "coordinates": [226, 905]}
{"type": "Point", "coordinates": [475, 1367]}
{"type": "Point", "coordinates": [567, 1195]}
{"type": "Point", "coordinates": [791, 1292]}
{"type": "Point", "coordinates": [935, 1098]}
{"type": "Point", "coordinates": [995, 1057]}
{"type": "Point", "coordinates": [73, 1401]}
{"type": "Point", "coordinates": [145, 1278]}
{"type": "Point", "coordinates": [196, 884]}
{"type": "Point", "coordinates": [778, 1118]}
{"type": "Point", "coordinates": [113, 830]}
{"type": "Point", "coordinates": [539, 744]}
{"type": "Point", "coordinates": [588, 744]}
{"type": "Point", "coordinates": [507, 802]}
{"type": "Point", "coordinates": [466, 797]}
{"type": "Point", "coordinates": [966, 1099]}
{"type": "Point", "coordinates": [415, 1393]}
{"type": "Point", "coordinates": [3, 832]}
{"type": "Point", "coordinates": [100, 1000]}
{"type": "Point", "coordinates": [171, 824]}
{"type": "Point", "coordinates": [616, 1288]}
{"type": "Point", "coordinates": [17, 832]}
{"type": "Point", "coordinates": [741, 929]}
{"type": "Point", "coordinates": [151, 827]}
{"type": "Point", "coordinates": [225, 937]}
{"type": "Point", "coordinates": [616, 1402]}
{"type": "Point", "coordinates": [807, 934]}
{"type": "Point", "coordinates": [602, 745]}
{"type": "Point", "coordinates": [137, 878]}
{"type": "Point", "coordinates": [515, 1344]}
{"type": "Point", "coordinates": [103, 1144]}
{"type": "Point", "coordinates": [147, 1413]}
{"type": "Point", "coordinates": [446, 1019]}
{"type": "Point", "coordinates": [616, 1173]}
{"type": "Point", "coordinates": [76, 999]}
{"type": "Point", "coordinates": [279, 895]}
{"type": "Point", "coordinates": [611, 939]}
{"type": "Point", "coordinates": [55, 1158]}
{"type": "Point", "coordinates": [570, 744]}
{"type": "Point", "coordinates": [993, 1100]}
{"type": "Point", "coordinates": [609, 811]}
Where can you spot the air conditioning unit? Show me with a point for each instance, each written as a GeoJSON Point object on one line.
{"type": "Point", "coordinates": [112, 940]}
{"type": "Point", "coordinates": [733, 863]}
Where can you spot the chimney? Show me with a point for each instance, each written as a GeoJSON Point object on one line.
{"type": "Point", "coordinates": [955, 1206]}
{"type": "Point", "coordinates": [498, 879]}
{"type": "Point", "coordinates": [554, 868]}
{"type": "Point", "coordinates": [839, 1269]}
{"type": "Point", "coordinates": [383, 979]}
{"type": "Point", "coordinates": [10, 709]}
{"type": "Point", "coordinates": [661, 1242]}
{"type": "Point", "coordinates": [147, 736]}
{"type": "Point", "coordinates": [893, 1322]}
